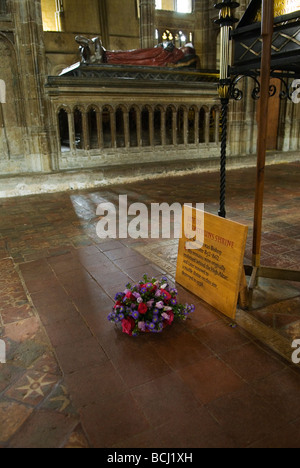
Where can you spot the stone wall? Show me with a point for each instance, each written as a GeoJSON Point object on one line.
{"type": "Point", "coordinates": [30, 135]}
{"type": "Point", "coordinates": [25, 126]}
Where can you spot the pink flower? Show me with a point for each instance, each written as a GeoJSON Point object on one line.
{"type": "Point", "coordinates": [150, 303]}
{"type": "Point", "coordinates": [142, 326]}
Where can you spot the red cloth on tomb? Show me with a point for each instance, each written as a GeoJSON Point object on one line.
{"type": "Point", "coordinates": [157, 57]}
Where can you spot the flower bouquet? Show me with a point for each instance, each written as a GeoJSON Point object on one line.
{"type": "Point", "coordinates": [149, 306]}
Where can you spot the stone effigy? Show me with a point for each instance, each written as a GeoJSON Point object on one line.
{"type": "Point", "coordinates": [163, 55]}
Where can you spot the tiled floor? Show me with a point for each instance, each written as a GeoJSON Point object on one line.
{"type": "Point", "coordinates": [73, 380]}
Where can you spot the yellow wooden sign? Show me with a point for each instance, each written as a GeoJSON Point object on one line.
{"type": "Point", "coordinates": [213, 272]}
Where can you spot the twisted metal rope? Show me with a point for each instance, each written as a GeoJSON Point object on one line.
{"type": "Point", "coordinates": [222, 211]}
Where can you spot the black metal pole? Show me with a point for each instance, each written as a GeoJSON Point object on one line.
{"type": "Point", "coordinates": [222, 210]}
{"type": "Point", "coordinates": [226, 21]}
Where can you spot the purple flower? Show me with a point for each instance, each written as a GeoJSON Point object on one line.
{"type": "Point", "coordinates": [139, 300]}
{"type": "Point", "coordinates": [150, 325]}
{"type": "Point", "coordinates": [158, 293]}
{"type": "Point", "coordinates": [156, 311]}
{"type": "Point", "coordinates": [150, 303]}
{"type": "Point", "coordinates": [119, 296]}
{"type": "Point", "coordinates": [160, 305]}
{"type": "Point", "coordinates": [136, 295]}
{"type": "Point", "coordinates": [135, 315]}
{"type": "Point", "coordinates": [165, 316]}
{"type": "Point", "coordinates": [173, 302]}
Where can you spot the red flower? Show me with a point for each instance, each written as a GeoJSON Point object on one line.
{"type": "Point", "coordinates": [166, 295]}
{"type": "Point", "coordinates": [142, 308]}
{"type": "Point", "coordinates": [130, 296]}
{"type": "Point", "coordinates": [171, 315]}
{"type": "Point", "coordinates": [128, 325]}
{"type": "Point", "coordinates": [118, 303]}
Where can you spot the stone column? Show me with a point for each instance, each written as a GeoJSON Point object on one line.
{"type": "Point", "coordinates": [59, 16]}
{"type": "Point", "coordinates": [185, 126]}
{"type": "Point", "coordinates": [139, 128]}
{"type": "Point", "coordinates": [163, 127]}
{"type": "Point", "coordinates": [31, 59]}
{"type": "Point", "coordinates": [151, 127]}
{"type": "Point", "coordinates": [174, 127]}
{"type": "Point", "coordinates": [85, 132]}
{"type": "Point", "coordinates": [206, 128]}
{"type": "Point", "coordinates": [196, 129]}
{"type": "Point", "coordinates": [217, 126]}
{"type": "Point", "coordinates": [113, 129]}
{"type": "Point", "coordinates": [126, 128]}
{"type": "Point", "coordinates": [147, 29]}
{"type": "Point", "coordinates": [99, 129]}
{"type": "Point", "coordinates": [71, 131]}
{"type": "Point", "coordinates": [104, 22]}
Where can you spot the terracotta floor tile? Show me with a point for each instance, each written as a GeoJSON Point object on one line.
{"type": "Point", "coordinates": [220, 337]}
{"type": "Point", "coordinates": [109, 245]}
{"type": "Point", "coordinates": [44, 429]}
{"type": "Point", "coordinates": [281, 391]}
{"type": "Point", "coordinates": [8, 375]}
{"type": "Point", "coordinates": [15, 314]}
{"type": "Point", "coordinates": [86, 353]}
{"type": "Point", "coordinates": [54, 305]}
{"type": "Point", "coordinates": [210, 379]}
{"type": "Point", "coordinates": [245, 416]}
{"type": "Point", "coordinates": [22, 330]}
{"type": "Point", "coordinates": [165, 400]}
{"type": "Point", "coordinates": [137, 273]}
{"type": "Point", "coordinates": [112, 420]}
{"type": "Point", "coordinates": [68, 331]}
{"type": "Point", "coordinates": [118, 254]}
{"type": "Point", "coordinates": [135, 358]}
{"type": "Point", "coordinates": [251, 363]}
{"type": "Point", "coordinates": [12, 417]}
{"type": "Point", "coordinates": [89, 385]}
{"type": "Point", "coordinates": [64, 263]}
{"type": "Point", "coordinates": [197, 429]}
{"type": "Point", "coordinates": [201, 317]}
{"type": "Point", "coordinates": [77, 439]}
{"type": "Point", "coordinates": [286, 437]}
{"type": "Point", "coordinates": [180, 349]}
